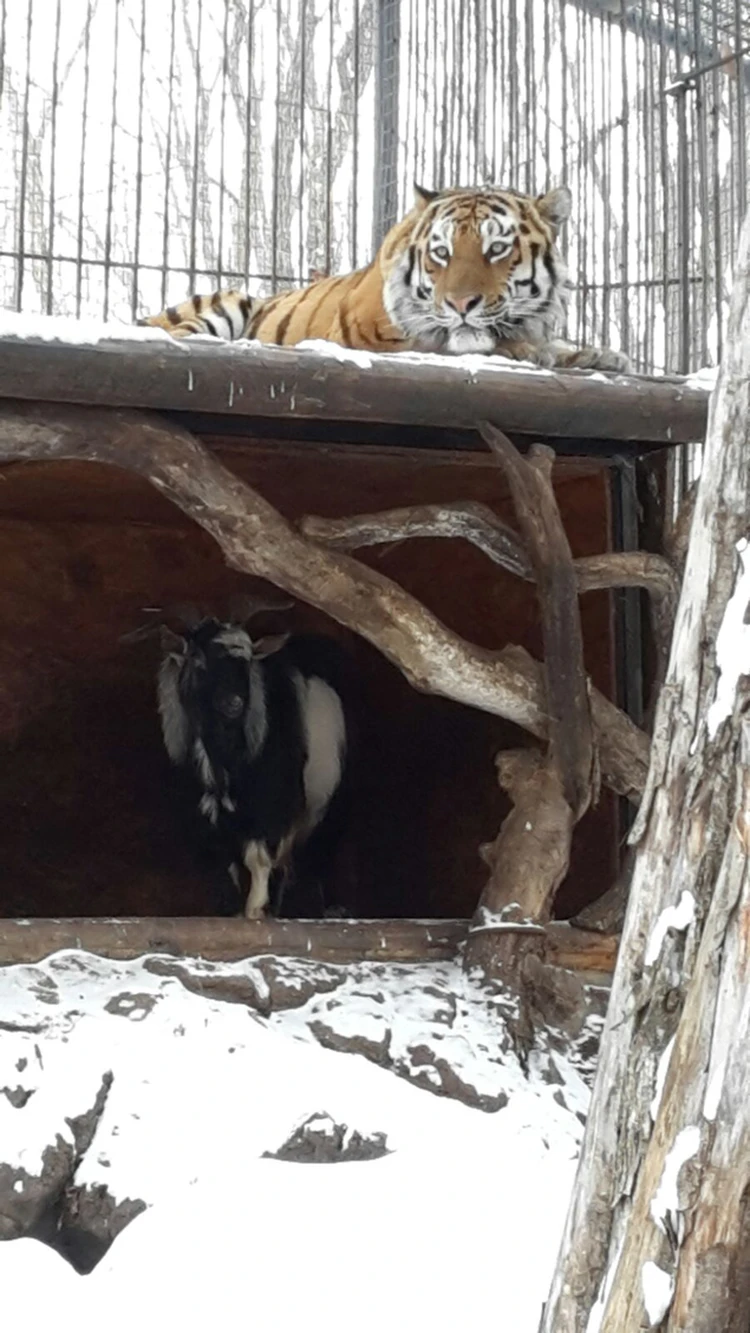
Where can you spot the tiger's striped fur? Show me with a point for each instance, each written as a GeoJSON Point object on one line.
{"type": "Point", "coordinates": [467, 270]}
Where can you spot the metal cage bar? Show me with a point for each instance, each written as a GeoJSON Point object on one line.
{"type": "Point", "coordinates": [145, 149]}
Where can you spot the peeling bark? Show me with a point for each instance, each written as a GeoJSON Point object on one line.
{"type": "Point", "coordinates": [664, 1176]}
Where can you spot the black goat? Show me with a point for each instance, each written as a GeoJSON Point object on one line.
{"type": "Point", "coordinates": [262, 726]}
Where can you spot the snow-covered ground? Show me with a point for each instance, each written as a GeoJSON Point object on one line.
{"type": "Point", "coordinates": [164, 1083]}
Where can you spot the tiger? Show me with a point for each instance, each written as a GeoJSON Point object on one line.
{"type": "Point", "coordinates": [467, 270]}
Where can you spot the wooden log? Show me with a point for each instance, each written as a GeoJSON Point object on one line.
{"type": "Point", "coordinates": [227, 939]}
{"type": "Point", "coordinates": [249, 380]}
{"type": "Point", "coordinates": [658, 1233]}
{"type": "Point", "coordinates": [256, 539]}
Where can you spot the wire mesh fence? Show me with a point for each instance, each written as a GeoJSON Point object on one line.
{"type": "Point", "coordinates": [150, 149]}
{"type": "Point", "coordinates": [146, 149]}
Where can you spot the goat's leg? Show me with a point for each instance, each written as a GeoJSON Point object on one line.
{"type": "Point", "coordinates": [259, 865]}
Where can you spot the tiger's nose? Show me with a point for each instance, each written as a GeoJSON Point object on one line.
{"type": "Point", "coordinates": [463, 304]}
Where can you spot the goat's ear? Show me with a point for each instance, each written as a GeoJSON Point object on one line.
{"type": "Point", "coordinates": [423, 197]}
{"type": "Point", "coordinates": [171, 642]}
{"type": "Point", "coordinates": [270, 643]}
{"type": "Point", "coordinates": [555, 206]}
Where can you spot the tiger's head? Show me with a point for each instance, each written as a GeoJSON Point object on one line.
{"type": "Point", "coordinates": [469, 268]}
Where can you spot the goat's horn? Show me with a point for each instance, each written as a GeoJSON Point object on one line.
{"type": "Point", "coordinates": [244, 606]}
{"type": "Point", "coordinates": [142, 632]}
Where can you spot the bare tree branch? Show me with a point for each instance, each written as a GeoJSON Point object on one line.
{"type": "Point", "coordinates": [570, 737]}
{"type": "Point", "coordinates": [476, 523]}
{"type": "Point", "coordinates": [470, 519]}
{"type": "Point", "coordinates": [255, 538]}
{"type": "Point", "coordinates": [531, 853]}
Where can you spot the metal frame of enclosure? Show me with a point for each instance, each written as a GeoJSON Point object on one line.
{"type": "Point", "coordinates": [149, 149]}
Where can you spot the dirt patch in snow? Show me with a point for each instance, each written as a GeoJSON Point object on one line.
{"type": "Point", "coordinates": [321, 1139]}
{"type": "Point", "coordinates": [79, 1223]}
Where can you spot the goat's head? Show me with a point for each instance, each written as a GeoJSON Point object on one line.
{"type": "Point", "coordinates": [210, 686]}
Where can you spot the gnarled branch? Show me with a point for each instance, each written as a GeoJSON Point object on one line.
{"type": "Point", "coordinates": [470, 519]}
{"type": "Point", "coordinates": [549, 792]}
{"type": "Point", "coordinates": [256, 539]}
{"type": "Point", "coordinates": [571, 742]}
{"type": "Point", "coordinates": [476, 523]}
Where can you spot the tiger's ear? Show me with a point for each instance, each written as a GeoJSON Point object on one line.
{"type": "Point", "coordinates": [555, 206]}
{"type": "Point", "coordinates": [423, 197]}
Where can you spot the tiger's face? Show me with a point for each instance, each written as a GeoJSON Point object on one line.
{"type": "Point", "coordinates": [470, 268]}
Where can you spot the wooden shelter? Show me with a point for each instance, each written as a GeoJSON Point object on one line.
{"type": "Point", "coordinates": [91, 851]}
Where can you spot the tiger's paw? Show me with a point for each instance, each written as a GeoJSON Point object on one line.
{"type": "Point", "coordinates": [596, 358]}
{"type": "Point", "coordinates": [534, 354]}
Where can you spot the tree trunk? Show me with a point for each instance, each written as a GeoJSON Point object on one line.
{"type": "Point", "coordinates": [658, 1234]}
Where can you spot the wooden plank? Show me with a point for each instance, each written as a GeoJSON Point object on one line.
{"type": "Point", "coordinates": [299, 478]}
{"type": "Point", "coordinates": [243, 380]}
{"type": "Point", "coordinates": [227, 939]}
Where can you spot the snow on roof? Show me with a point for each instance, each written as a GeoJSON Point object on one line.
{"type": "Point", "coordinates": [90, 332]}
{"type": "Point", "coordinates": [81, 332]}
{"type": "Point", "coordinates": [461, 1218]}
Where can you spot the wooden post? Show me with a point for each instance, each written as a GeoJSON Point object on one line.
{"type": "Point", "coordinates": [658, 1234]}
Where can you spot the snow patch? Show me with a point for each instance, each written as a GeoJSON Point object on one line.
{"type": "Point", "coordinates": [506, 919]}
{"type": "Point", "coordinates": [665, 1205]}
{"type": "Point", "coordinates": [658, 1290]}
{"type": "Point", "coordinates": [732, 645]}
{"type": "Point", "coordinates": [336, 352]}
{"type": "Point", "coordinates": [202, 1087]}
{"type": "Point", "coordinates": [676, 917]}
{"type": "Point", "coordinates": [703, 378]}
{"type": "Point", "coordinates": [81, 332]}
